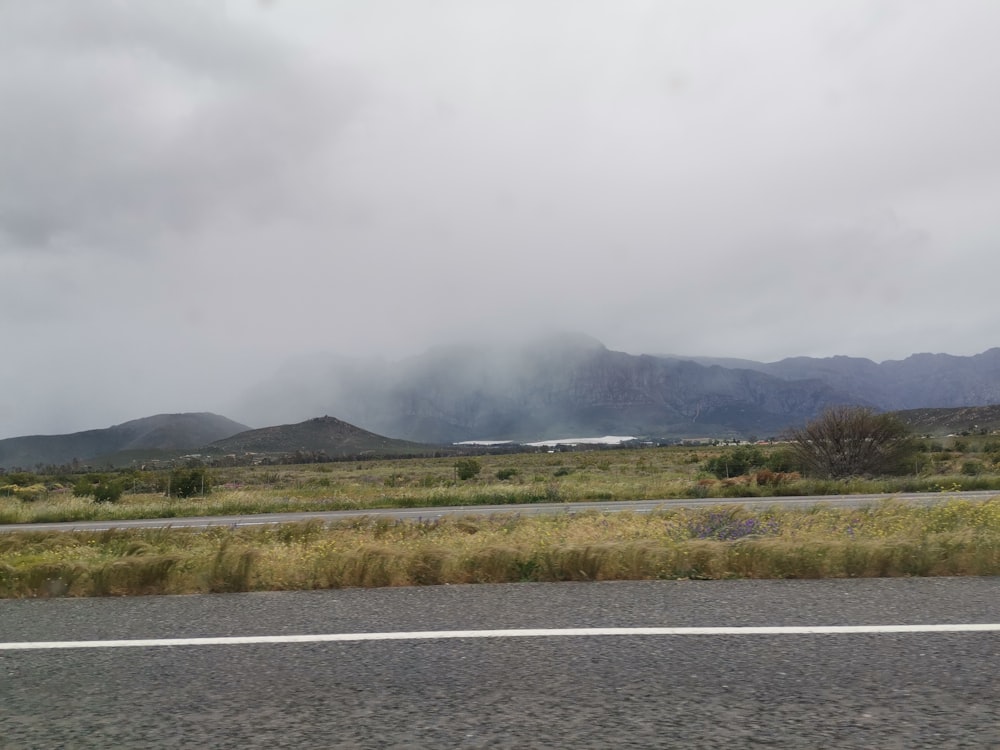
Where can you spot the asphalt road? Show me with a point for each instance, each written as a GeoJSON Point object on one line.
{"type": "Point", "coordinates": [897, 690]}
{"type": "Point", "coordinates": [531, 509]}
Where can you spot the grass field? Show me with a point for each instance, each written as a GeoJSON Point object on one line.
{"type": "Point", "coordinates": [632, 474]}
{"type": "Point", "coordinates": [953, 537]}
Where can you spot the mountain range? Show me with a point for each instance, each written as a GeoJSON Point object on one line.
{"type": "Point", "coordinates": [168, 437]}
{"type": "Point", "coordinates": [574, 385]}
{"type": "Point", "coordinates": [563, 386]}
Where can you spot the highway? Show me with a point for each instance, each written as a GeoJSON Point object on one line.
{"type": "Point", "coordinates": [734, 688]}
{"type": "Point", "coordinates": [636, 506]}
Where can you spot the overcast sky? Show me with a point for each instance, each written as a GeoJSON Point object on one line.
{"type": "Point", "coordinates": [191, 193]}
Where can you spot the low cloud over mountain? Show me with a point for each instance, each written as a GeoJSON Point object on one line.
{"type": "Point", "coordinates": [574, 385]}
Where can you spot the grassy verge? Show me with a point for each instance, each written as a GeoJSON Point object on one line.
{"type": "Point", "coordinates": [529, 478]}
{"type": "Point", "coordinates": [256, 501]}
{"type": "Point", "coordinates": [888, 539]}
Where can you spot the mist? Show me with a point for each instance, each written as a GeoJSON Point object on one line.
{"type": "Point", "coordinates": [198, 198]}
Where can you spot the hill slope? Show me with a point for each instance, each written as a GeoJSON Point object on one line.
{"type": "Point", "coordinates": [325, 435]}
{"type": "Point", "coordinates": [162, 432]}
{"type": "Point", "coordinates": [972, 419]}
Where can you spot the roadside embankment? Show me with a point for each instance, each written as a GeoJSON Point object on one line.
{"type": "Point", "coordinates": [954, 537]}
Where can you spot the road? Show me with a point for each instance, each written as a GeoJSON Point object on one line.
{"type": "Point", "coordinates": [886, 690]}
{"type": "Point", "coordinates": [532, 509]}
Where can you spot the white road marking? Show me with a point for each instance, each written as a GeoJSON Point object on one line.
{"type": "Point", "coordinates": [435, 635]}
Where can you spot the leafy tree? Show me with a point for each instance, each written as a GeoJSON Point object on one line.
{"type": "Point", "coordinates": [851, 441]}
{"type": "Point", "coordinates": [467, 468]}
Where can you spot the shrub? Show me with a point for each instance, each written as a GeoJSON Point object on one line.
{"type": "Point", "coordinates": [766, 477]}
{"type": "Point", "coordinates": [736, 462]}
{"type": "Point", "coordinates": [94, 484]}
{"type": "Point", "coordinates": [27, 494]}
{"type": "Point", "coordinates": [972, 468]}
{"type": "Point", "coordinates": [467, 468]}
{"type": "Point", "coordinates": [107, 491]}
{"type": "Point", "coordinates": [504, 474]}
{"type": "Point", "coordinates": [851, 441]}
{"type": "Point", "coordinates": [20, 478]}
{"type": "Point", "coordinates": [189, 482]}
{"type": "Point", "coordinates": [728, 525]}
{"type": "Point", "coordinates": [83, 488]}
{"type": "Point", "coordinates": [781, 460]}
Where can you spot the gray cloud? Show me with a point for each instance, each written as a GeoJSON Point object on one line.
{"type": "Point", "coordinates": [124, 123]}
{"type": "Point", "coordinates": [192, 193]}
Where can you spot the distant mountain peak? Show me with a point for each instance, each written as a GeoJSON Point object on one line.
{"type": "Point", "coordinates": [328, 435]}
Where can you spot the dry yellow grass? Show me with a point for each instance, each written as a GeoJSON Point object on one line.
{"type": "Point", "coordinates": [951, 538]}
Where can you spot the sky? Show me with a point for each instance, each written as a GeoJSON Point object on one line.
{"type": "Point", "coordinates": [194, 193]}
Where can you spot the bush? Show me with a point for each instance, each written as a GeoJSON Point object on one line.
{"type": "Point", "coordinates": [467, 468]}
{"type": "Point", "coordinates": [20, 478]}
{"type": "Point", "coordinates": [83, 488]}
{"type": "Point", "coordinates": [736, 462]}
{"type": "Point", "coordinates": [504, 474]}
{"type": "Point", "coordinates": [782, 460]}
{"type": "Point", "coordinates": [107, 492]}
{"type": "Point", "coordinates": [852, 441]}
{"type": "Point", "coordinates": [188, 483]}
{"type": "Point", "coordinates": [27, 494]}
{"type": "Point", "coordinates": [972, 468]}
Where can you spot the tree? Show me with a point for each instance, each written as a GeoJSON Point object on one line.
{"type": "Point", "coordinates": [850, 441]}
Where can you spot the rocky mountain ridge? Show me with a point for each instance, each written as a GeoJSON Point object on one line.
{"type": "Point", "coordinates": [919, 381]}
{"type": "Point", "coordinates": [575, 385]}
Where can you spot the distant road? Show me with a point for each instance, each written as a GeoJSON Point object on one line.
{"type": "Point", "coordinates": [530, 509]}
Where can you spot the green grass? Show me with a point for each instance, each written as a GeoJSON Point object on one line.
{"type": "Point", "coordinates": [954, 537]}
